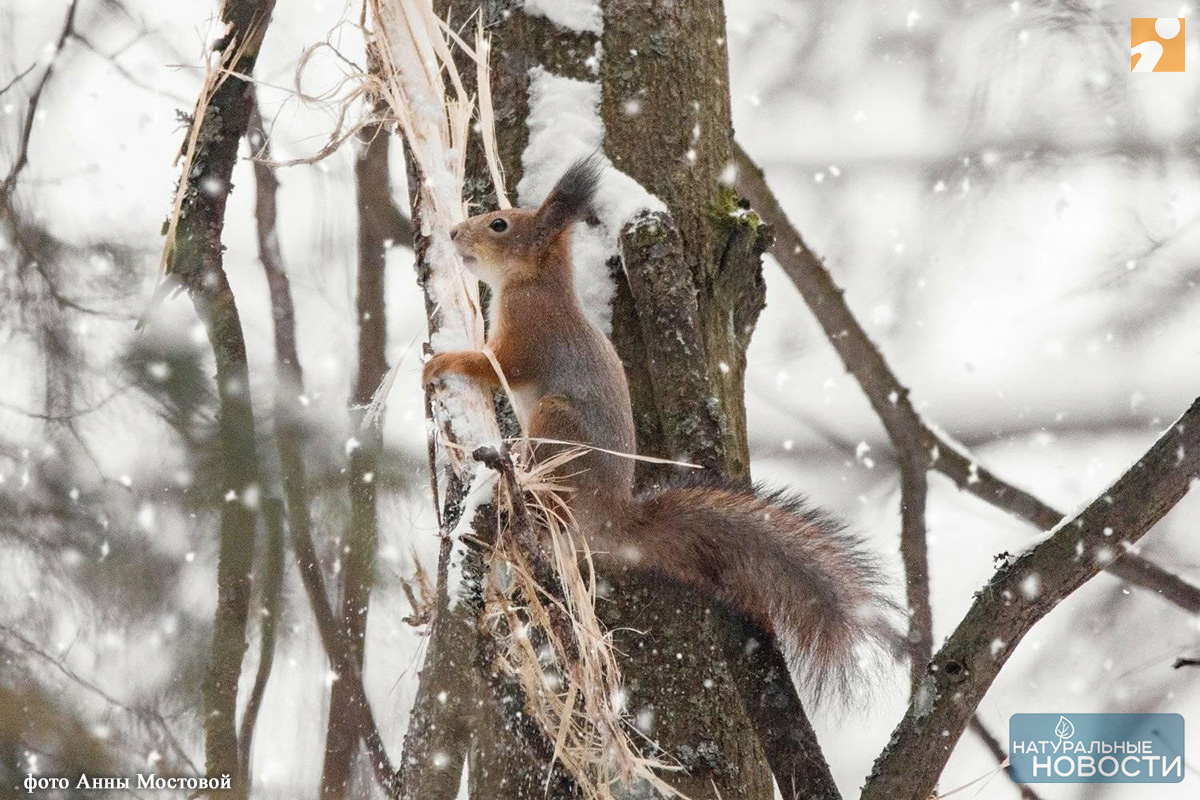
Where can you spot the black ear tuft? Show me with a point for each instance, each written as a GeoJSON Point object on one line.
{"type": "Point", "coordinates": [571, 198]}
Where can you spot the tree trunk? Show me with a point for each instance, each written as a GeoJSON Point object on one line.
{"type": "Point", "coordinates": [665, 103]}
{"type": "Point", "coordinates": [704, 278]}
{"type": "Point", "coordinates": [196, 263]}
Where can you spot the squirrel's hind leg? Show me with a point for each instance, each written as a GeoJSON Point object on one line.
{"type": "Point", "coordinates": [557, 427]}
{"type": "Point", "coordinates": [553, 421]}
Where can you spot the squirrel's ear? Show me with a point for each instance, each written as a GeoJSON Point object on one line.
{"type": "Point", "coordinates": [571, 198]}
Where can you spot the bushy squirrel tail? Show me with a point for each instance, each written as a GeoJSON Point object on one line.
{"type": "Point", "coordinates": [793, 570]}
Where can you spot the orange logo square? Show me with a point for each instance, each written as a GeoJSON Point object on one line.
{"type": "Point", "coordinates": [1156, 44]}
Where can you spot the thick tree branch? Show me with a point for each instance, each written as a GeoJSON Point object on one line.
{"type": "Point", "coordinates": [664, 301]}
{"type": "Point", "coordinates": [197, 262]}
{"type": "Point", "coordinates": [890, 398]}
{"type": "Point", "coordinates": [682, 87]}
{"type": "Point", "coordinates": [761, 675]}
{"type": "Point", "coordinates": [1019, 595]}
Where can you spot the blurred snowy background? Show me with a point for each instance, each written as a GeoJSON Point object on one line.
{"type": "Point", "coordinates": [1014, 216]}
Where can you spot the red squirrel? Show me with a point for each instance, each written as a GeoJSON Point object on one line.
{"type": "Point", "coordinates": [792, 570]}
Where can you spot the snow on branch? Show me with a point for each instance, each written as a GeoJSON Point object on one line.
{"type": "Point", "coordinates": [414, 55]}
{"type": "Point", "coordinates": [581, 16]}
{"type": "Point", "coordinates": [565, 125]}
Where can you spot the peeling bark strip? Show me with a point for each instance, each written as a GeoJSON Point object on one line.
{"type": "Point", "coordinates": [446, 690]}
{"type": "Point", "coordinates": [405, 33]}
{"type": "Point", "coordinates": [890, 398]}
{"type": "Point", "coordinates": [197, 263]}
{"type": "Point", "coordinates": [1018, 596]}
{"type": "Point", "coordinates": [542, 569]}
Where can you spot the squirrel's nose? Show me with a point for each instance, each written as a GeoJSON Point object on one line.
{"type": "Point", "coordinates": [454, 233]}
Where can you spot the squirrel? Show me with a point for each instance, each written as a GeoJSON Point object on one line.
{"type": "Point", "coordinates": [792, 570]}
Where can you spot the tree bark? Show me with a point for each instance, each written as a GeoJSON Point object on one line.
{"type": "Point", "coordinates": [698, 271]}
{"type": "Point", "coordinates": [665, 103]}
{"type": "Point", "coordinates": [1018, 596]}
{"type": "Point", "coordinates": [197, 264]}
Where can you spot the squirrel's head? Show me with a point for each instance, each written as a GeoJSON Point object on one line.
{"type": "Point", "coordinates": [506, 246]}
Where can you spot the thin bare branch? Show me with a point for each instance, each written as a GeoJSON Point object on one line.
{"type": "Point", "coordinates": [914, 552]}
{"type": "Point", "coordinates": [122, 70]}
{"type": "Point", "coordinates": [272, 593]}
{"type": "Point", "coordinates": [20, 76]}
{"type": "Point", "coordinates": [377, 225]}
{"type": "Point", "coordinates": [890, 399]}
{"type": "Point", "coordinates": [997, 750]}
{"type": "Point", "coordinates": [35, 98]}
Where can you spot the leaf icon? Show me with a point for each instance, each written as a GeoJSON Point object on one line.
{"type": "Point", "coordinates": [1064, 729]}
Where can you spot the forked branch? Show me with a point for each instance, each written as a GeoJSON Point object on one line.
{"type": "Point", "coordinates": [890, 398]}
{"type": "Point", "coordinates": [1103, 536]}
{"type": "Point", "coordinates": [1018, 596]}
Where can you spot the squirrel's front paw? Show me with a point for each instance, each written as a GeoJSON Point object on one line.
{"type": "Point", "coordinates": [435, 368]}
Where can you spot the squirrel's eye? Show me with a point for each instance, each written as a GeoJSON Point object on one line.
{"type": "Point", "coordinates": [498, 225]}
